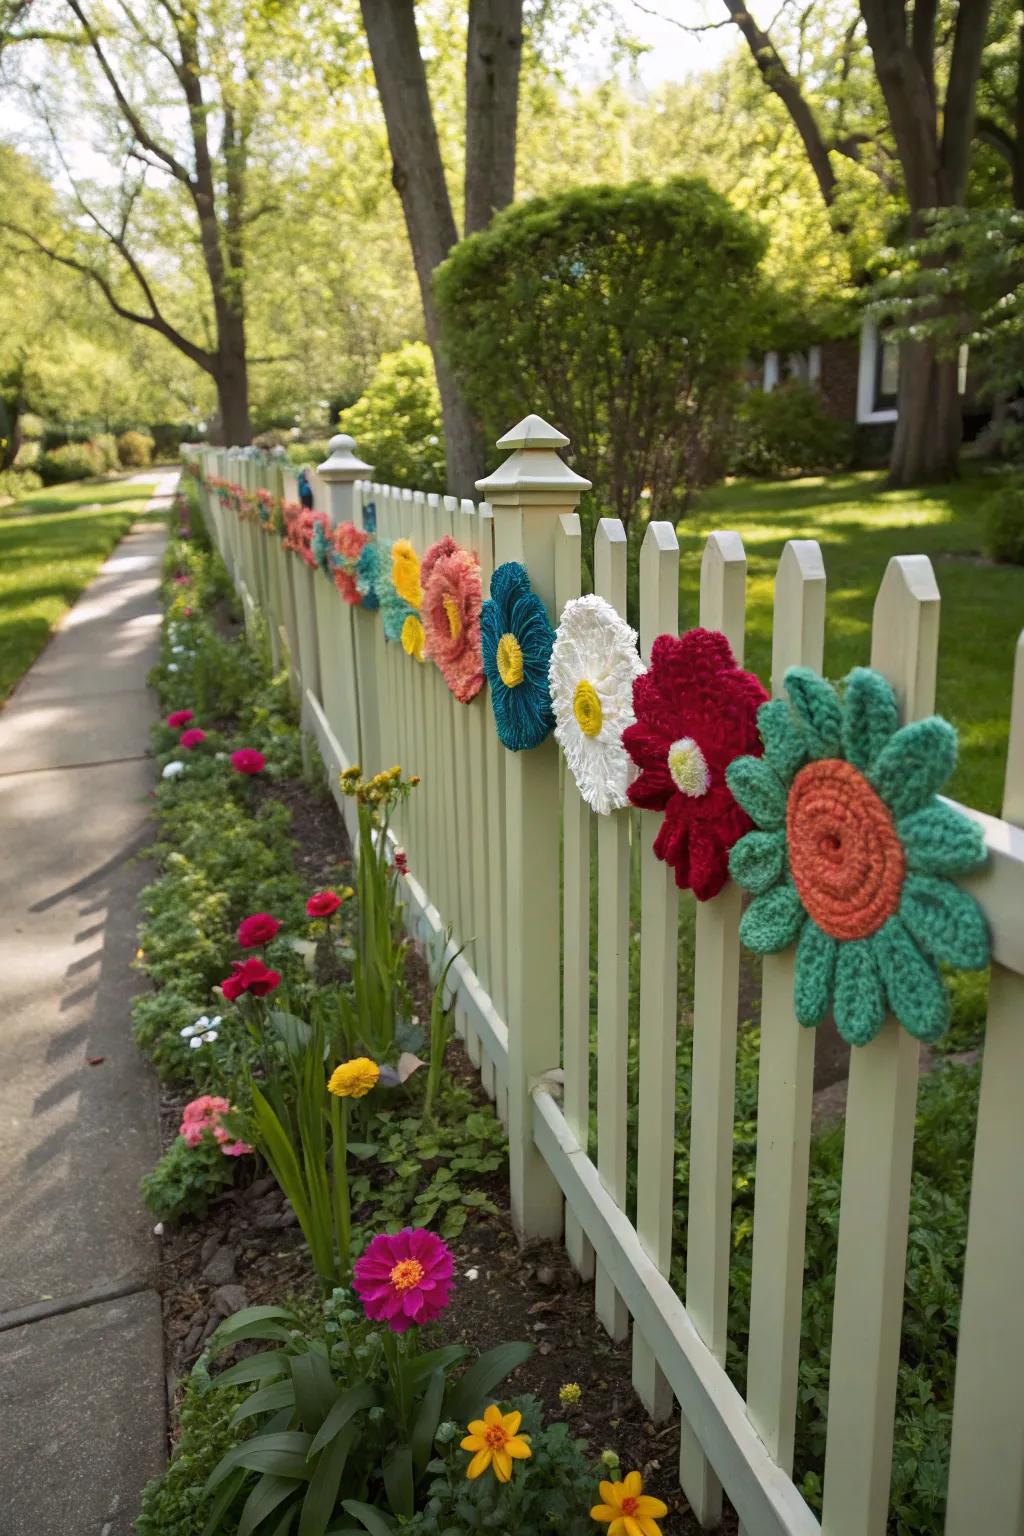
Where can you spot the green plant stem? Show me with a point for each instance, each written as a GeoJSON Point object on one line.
{"type": "Point", "coordinates": [342, 1212]}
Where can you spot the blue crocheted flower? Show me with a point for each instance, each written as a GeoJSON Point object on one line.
{"type": "Point", "coordinates": [370, 517]}
{"type": "Point", "coordinates": [853, 854]}
{"type": "Point", "coordinates": [367, 568]}
{"type": "Point", "coordinates": [516, 638]}
{"type": "Point", "coordinates": [320, 548]}
{"type": "Point", "coordinates": [394, 610]}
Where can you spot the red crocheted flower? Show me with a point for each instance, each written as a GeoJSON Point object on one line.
{"type": "Point", "coordinates": [348, 541]}
{"type": "Point", "coordinates": [695, 710]}
{"type": "Point", "coordinates": [452, 600]}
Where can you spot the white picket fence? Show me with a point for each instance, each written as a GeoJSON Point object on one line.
{"type": "Point", "coordinates": [499, 846]}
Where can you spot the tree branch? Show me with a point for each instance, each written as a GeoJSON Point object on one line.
{"type": "Point", "coordinates": [961, 95]}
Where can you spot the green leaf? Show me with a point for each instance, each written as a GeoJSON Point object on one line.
{"type": "Point", "coordinates": [398, 1481]}
{"type": "Point", "coordinates": [465, 1400]}
{"type": "Point", "coordinates": [349, 1403]}
{"type": "Point", "coordinates": [422, 1365]}
{"type": "Point", "coordinates": [273, 1362]}
{"type": "Point", "coordinates": [315, 1389]}
{"type": "Point", "coordinates": [280, 1394]}
{"type": "Point", "coordinates": [283, 1452]}
{"type": "Point", "coordinates": [427, 1419]}
{"type": "Point", "coordinates": [322, 1494]}
{"type": "Point", "coordinates": [251, 1323]}
{"type": "Point", "coordinates": [268, 1493]}
{"type": "Point", "coordinates": [372, 1520]}
{"type": "Point", "coordinates": [222, 1503]}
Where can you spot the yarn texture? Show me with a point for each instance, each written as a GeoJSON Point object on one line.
{"type": "Point", "coordinates": [394, 610]}
{"type": "Point", "coordinates": [593, 666]}
{"type": "Point", "coordinates": [853, 854]}
{"type": "Point", "coordinates": [413, 637]}
{"type": "Point", "coordinates": [347, 543]}
{"type": "Point", "coordinates": [696, 711]}
{"type": "Point", "coordinates": [368, 573]}
{"type": "Point", "coordinates": [452, 600]}
{"type": "Point", "coordinates": [516, 641]}
{"type": "Point", "coordinates": [405, 572]}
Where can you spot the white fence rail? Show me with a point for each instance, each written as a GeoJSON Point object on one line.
{"type": "Point", "coordinates": [499, 845]}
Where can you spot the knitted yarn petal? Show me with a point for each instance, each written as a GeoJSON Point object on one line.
{"type": "Point", "coordinates": [367, 574]}
{"type": "Point", "coordinates": [759, 790]}
{"type": "Point", "coordinates": [859, 997]}
{"type": "Point", "coordinates": [758, 860]}
{"type": "Point", "coordinates": [914, 764]}
{"type": "Point", "coordinates": [452, 599]}
{"type": "Point", "coordinates": [593, 665]}
{"type": "Point", "coordinates": [773, 920]}
{"type": "Point", "coordinates": [814, 973]}
{"type": "Point", "coordinates": [816, 706]}
{"type": "Point", "coordinates": [523, 715]}
{"type": "Point", "coordinates": [870, 716]}
{"type": "Point", "coordinates": [940, 840]}
{"type": "Point", "coordinates": [915, 989]}
{"type": "Point", "coordinates": [946, 922]}
{"type": "Point", "coordinates": [784, 746]}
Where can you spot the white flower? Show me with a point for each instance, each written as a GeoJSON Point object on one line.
{"type": "Point", "coordinates": [172, 666]}
{"type": "Point", "coordinates": [177, 650]}
{"type": "Point", "coordinates": [593, 664]}
{"type": "Point", "coordinates": [171, 770]}
{"type": "Point", "coordinates": [189, 1031]}
{"type": "Point", "coordinates": [196, 1042]}
{"type": "Point", "coordinates": [209, 1037]}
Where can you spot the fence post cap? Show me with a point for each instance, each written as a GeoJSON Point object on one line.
{"type": "Point", "coordinates": [342, 465]}
{"type": "Point", "coordinates": [533, 464]}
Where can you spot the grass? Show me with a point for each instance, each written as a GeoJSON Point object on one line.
{"type": "Point", "coordinates": [51, 546]}
{"type": "Point", "coordinates": [860, 525]}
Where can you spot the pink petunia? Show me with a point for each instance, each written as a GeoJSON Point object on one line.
{"type": "Point", "coordinates": [452, 599]}
{"type": "Point", "coordinates": [179, 718]}
{"type": "Point", "coordinates": [404, 1278]}
{"type": "Point", "coordinates": [248, 760]}
{"type": "Point", "coordinates": [192, 738]}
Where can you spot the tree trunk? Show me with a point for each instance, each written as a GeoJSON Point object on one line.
{"type": "Point", "coordinates": [494, 49]}
{"type": "Point", "coordinates": [232, 380]}
{"type": "Point", "coordinates": [927, 443]}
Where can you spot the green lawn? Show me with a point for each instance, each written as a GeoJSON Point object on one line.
{"type": "Point", "coordinates": [51, 546]}
{"type": "Point", "coordinates": [860, 525]}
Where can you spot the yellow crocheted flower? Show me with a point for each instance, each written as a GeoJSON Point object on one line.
{"type": "Point", "coordinates": [413, 638]}
{"type": "Point", "coordinates": [354, 1079]}
{"type": "Point", "coordinates": [627, 1510]}
{"type": "Point", "coordinates": [405, 572]}
{"type": "Point", "coordinates": [496, 1441]}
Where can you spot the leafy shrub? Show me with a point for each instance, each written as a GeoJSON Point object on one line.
{"type": "Point", "coordinates": [27, 456]}
{"type": "Point", "coordinates": [397, 423]}
{"type": "Point", "coordinates": [134, 450]}
{"type": "Point", "coordinates": [308, 453]}
{"type": "Point", "coordinates": [72, 461]}
{"type": "Point", "coordinates": [620, 313]}
{"type": "Point", "coordinates": [1004, 524]}
{"type": "Point", "coordinates": [105, 446]}
{"type": "Point", "coordinates": [175, 1504]}
{"type": "Point", "coordinates": [18, 482]}
{"type": "Point", "coordinates": [31, 427]}
{"type": "Point", "coordinates": [785, 431]}
{"type": "Point", "coordinates": [187, 1179]}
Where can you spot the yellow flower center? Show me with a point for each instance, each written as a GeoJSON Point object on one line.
{"type": "Point", "coordinates": [586, 706]}
{"type": "Point", "coordinates": [688, 767]}
{"type": "Point", "coordinates": [451, 608]}
{"type": "Point", "coordinates": [413, 637]}
{"type": "Point", "coordinates": [497, 1436]}
{"type": "Point", "coordinates": [510, 661]}
{"type": "Point", "coordinates": [406, 1274]}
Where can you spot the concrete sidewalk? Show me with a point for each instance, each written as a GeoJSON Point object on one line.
{"type": "Point", "coordinates": [82, 1407]}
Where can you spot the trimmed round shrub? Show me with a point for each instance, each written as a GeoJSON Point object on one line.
{"type": "Point", "coordinates": [785, 431]}
{"type": "Point", "coordinates": [622, 314]}
{"type": "Point", "coordinates": [1004, 524]}
{"type": "Point", "coordinates": [397, 422]}
{"type": "Point", "coordinates": [18, 482]}
{"type": "Point", "coordinates": [134, 450]}
{"type": "Point", "coordinates": [308, 453]}
{"type": "Point", "coordinates": [105, 444]}
{"type": "Point", "coordinates": [72, 461]}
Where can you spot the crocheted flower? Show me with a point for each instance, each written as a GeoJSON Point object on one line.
{"type": "Point", "coordinates": [516, 640]}
{"type": "Point", "coordinates": [413, 638]}
{"type": "Point", "coordinates": [695, 711]}
{"type": "Point", "coordinates": [593, 666]}
{"type": "Point", "coordinates": [368, 574]}
{"type": "Point", "coordinates": [405, 572]}
{"type": "Point", "coordinates": [320, 547]}
{"type": "Point", "coordinates": [853, 853]}
{"type": "Point", "coordinates": [452, 598]}
{"type": "Point", "coordinates": [394, 610]}
{"type": "Point", "coordinates": [309, 522]}
{"type": "Point", "coordinates": [347, 545]}
{"type": "Point", "coordinates": [404, 1278]}
{"type": "Point", "coordinates": [496, 1443]}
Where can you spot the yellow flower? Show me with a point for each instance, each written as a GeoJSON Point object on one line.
{"type": "Point", "coordinates": [354, 1079]}
{"type": "Point", "coordinates": [497, 1443]}
{"type": "Point", "coordinates": [570, 1394]}
{"type": "Point", "coordinates": [627, 1510]}
{"type": "Point", "coordinates": [405, 572]}
{"type": "Point", "coordinates": [413, 637]}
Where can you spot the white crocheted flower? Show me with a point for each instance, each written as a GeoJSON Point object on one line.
{"type": "Point", "coordinates": [593, 664]}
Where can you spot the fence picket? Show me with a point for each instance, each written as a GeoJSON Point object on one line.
{"type": "Point", "coordinates": [723, 579]}
{"type": "Point", "coordinates": [784, 1086]}
{"type": "Point", "coordinates": [659, 945]}
{"type": "Point", "coordinates": [494, 759]}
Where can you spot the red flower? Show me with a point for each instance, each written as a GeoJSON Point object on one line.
{"type": "Point", "coordinates": [179, 718]}
{"type": "Point", "coordinates": [696, 710]}
{"type": "Point", "coordinates": [192, 738]}
{"type": "Point", "coordinates": [258, 929]}
{"type": "Point", "coordinates": [322, 904]}
{"type": "Point", "coordinates": [248, 760]}
{"type": "Point", "coordinates": [249, 976]}
{"type": "Point", "coordinates": [401, 861]}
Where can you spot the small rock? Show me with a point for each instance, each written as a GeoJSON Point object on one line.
{"type": "Point", "coordinates": [220, 1268]}
{"type": "Point", "coordinates": [210, 1326]}
{"type": "Point", "coordinates": [198, 1318]}
{"type": "Point", "coordinates": [209, 1248]}
{"type": "Point", "coordinates": [229, 1299]}
{"type": "Point", "coordinates": [546, 1274]}
{"type": "Point", "coordinates": [191, 1344]}
{"type": "Point", "coordinates": [260, 1187]}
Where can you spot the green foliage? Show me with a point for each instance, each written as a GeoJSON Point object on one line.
{"type": "Point", "coordinates": [785, 431]}
{"type": "Point", "coordinates": [104, 444]}
{"type": "Point", "coordinates": [19, 482]}
{"type": "Point", "coordinates": [74, 461]}
{"type": "Point", "coordinates": [308, 453]}
{"type": "Point", "coordinates": [619, 313]}
{"type": "Point", "coordinates": [397, 422]}
{"type": "Point", "coordinates": [187, 1179]}
{"type": "Point", "coordinates": [174, 1504]}
{"type": "Point", "coordinates": [134, 449]}
{"type": "Point", "coordinates": [1004, 524]}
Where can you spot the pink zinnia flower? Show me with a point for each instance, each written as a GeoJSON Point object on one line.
{"type": "Point", "coordinates": [452, 598]}
{"type": "Point", "coordinates": [202, 1115]}
{"type": "Point", "coordinates": [192, 738]}
{"type": "Point", "coordinates": [248, 760]}
{"type": "Point", "coordinates": [249, 976]}
{"type": "Point", "coordinates": [404, 1278]}
{"type": "Point", "coordinates": [322, 904]}
{"type": "Point", "coordinates": [179, 718]}
{"type": "Point", "coordinates": [256, 930]}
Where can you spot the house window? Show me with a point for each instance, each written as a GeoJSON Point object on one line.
{"type": "Point", "coordinates": [887, 374]}
{"type": "Point", "coordinates": [961, 368]}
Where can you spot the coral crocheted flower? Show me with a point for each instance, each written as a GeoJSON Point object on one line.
{"type": "Point", "coordinates": [593, 666]}
{"type": "Point", "coordinates": [452, 599]}
{"type": "Point", "coordinates": [354, 1079]}
{"type": "Point", "coordinates": [249, 976]}
{"type": "Point", "coordinates": [853, 853]}
{"type": "Point", "coordinates": [256, 930]}
{"type": "Point", "coordinates": [516, 640]}
{"type": "Point", "coordinates": [348, 542]}
{"type": "Point", "coordinates": [627, 1510]}
{"type": "Point", "coordinates": [496, 1443]}
{"type": "Point", "coordinates": [696, 710]}
{"type": "Point", "coordinates": [248, 760]}
{"type": "Point", "coordinates": [179, 718]}
{"type": "Point", "coordinates": [309, 522]}
{"type": "Point", "coordinates": [192, 738]}
{"type": "Point", "coordinates": [413, 639]}
{"type": "Point", "coordinates": [404, 1278]}
{"type": "Point", "coordinates": [405, 572]}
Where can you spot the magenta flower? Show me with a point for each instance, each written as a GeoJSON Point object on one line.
{"type": "Point", "coordinates": [179, 718]}
{"type": "Point", "coordinates": [191, 738]}
{"type": "Point", "coordinates": [248, 760]}
{"type": "Point", "coordinates": [404, 1278]}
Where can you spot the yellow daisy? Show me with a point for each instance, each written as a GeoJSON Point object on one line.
{"type": "Point", "coordinates": [627, 1510]}
{"type": "Point", "coordinates": [497, 1443]}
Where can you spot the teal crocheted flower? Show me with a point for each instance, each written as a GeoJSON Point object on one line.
{"type": "Point", "coordinates": [852, 854]}
{"type": "Point", "coordinates": [320, 548]}
{"type": "Point", "coordinates": [394, 610]}
{"type": "Point", "coordinates": [368, 568]}
{"type": "Point", "coordinates": [516, 638]}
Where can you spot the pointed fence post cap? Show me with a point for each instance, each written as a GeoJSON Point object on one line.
{"type": "Point", "coordinates": [342, 465]}
{"type": "Point", "coordinates": [533, 464]}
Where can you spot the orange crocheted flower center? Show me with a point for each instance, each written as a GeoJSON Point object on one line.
{"type": "Point", "coordinates": [846, 859]}
{"type": "Point", "coordinates": [406, 1274]}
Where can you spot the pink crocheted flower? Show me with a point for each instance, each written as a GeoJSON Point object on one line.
{"type": "Point", "coordinates": [291, 511]}
{"type": "Point", "coordinates": [348, 541]}
{"type": "Point", "coordinates": [404, 1278]}
{"type": "Point", "coordinates": [307, 522]}
{"type": "Point", "coordinates": [452, 599]}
